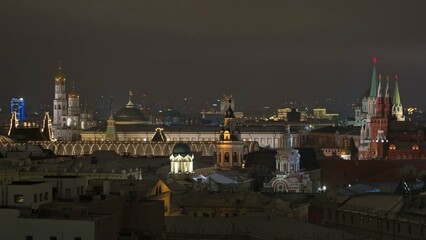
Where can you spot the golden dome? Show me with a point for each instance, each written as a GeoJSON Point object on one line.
{"type": "Point", "coordinates": [73, 94]}
{"type": "Point", "coordinates": [345, 151]}
{"type": "Point", "coordinates": [60, 77]}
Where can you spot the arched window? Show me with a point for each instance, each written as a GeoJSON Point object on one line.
{"type": "Point", "coordinates": [226, 157]}
{"type": "Point", "coordinates": [235, 157]}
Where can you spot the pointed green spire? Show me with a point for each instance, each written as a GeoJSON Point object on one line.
{"type": "Point", "coordinates": [396, 97]}
{"type": "Point", "coordinates": [373, 88]}
{"type": "Point", "coordinates": [111, 131]}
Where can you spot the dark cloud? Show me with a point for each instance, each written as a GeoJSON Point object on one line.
{"type": "Point", "coordinates": [261, 51]}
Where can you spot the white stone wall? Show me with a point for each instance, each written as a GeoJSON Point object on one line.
{"type": "Point", "coordinates": [28, 195]}
{"type": "Point", "coordinates": [68, 188]}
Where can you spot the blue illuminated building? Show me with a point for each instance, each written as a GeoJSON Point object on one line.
{"type": "Point", "coordinates": [17, 105]}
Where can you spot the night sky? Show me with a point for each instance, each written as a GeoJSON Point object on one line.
{"type": "Point", "coordinates": [262, 52]}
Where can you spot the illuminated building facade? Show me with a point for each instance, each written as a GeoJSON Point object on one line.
{"type": "Point", "coordinates": [181, 161]}
{"type": "Point", "coordinates": [30, 133]}
{"type": "Point", "coordinates": [18, 105]}
{"type": "Point", "coordinates": [230, 147]}
{"type": "Point", "coordinates": [282, 113]}
{"type": "Point", "coordinates": [321, 113]}
{"type": "Point", "coordinates": [289, 177]}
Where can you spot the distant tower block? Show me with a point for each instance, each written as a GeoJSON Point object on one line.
{"type": "Point", "coordinates": [18, 105]}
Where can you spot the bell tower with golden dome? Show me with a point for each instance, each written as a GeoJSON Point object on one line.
{"type": "Point", "coordinates": [67, 119]}
{"type": "Point", "coordinates": [73, 103]}
{"type": "Point", "coordinates": [230, 148]}
{"type": "Point", "coordinates": [60, 101]}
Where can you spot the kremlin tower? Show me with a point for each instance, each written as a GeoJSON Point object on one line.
{"type": "Point", "coordinates": [377, 111]}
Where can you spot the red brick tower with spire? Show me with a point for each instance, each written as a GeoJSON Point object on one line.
{"type": "Point", "coordinates": [379, 125]}
{"type": "Point", "coordinates": [387, 109]}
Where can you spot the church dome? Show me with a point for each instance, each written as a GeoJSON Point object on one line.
{"type": "Point", "coordinates": [59, 76]}
{"type": "Point", "coordinates": [181, 149]}
{"type": "Point", "coordinates": [73, 94]}
{"type": "Point", "coordinates": [131, 114]}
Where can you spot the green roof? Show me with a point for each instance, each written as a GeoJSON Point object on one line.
{"type": "Point", "coordinates": [373, 88]}
{"type": "Point", "coordinates": [396, 97]}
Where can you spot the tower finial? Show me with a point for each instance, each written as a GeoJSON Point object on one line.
{"type": "Point", "coordinates": [60, 67]}
{"type": "Point", "coordinates": [374, 60]}
{"type": "Point", "coordinates": [373, 88]}
{"type": "Point", "coordinates": [130, 103]}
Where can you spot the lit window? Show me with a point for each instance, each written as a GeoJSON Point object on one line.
{"type": "Point", "coordinates": [18, 198]}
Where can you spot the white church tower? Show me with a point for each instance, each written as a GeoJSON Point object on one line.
{"type": "Point", "coordinates": [60, 101]}
{"type": "Point", "coordinates": [289, 177]}
{"type": "Point", "coordinates": [66, 111]}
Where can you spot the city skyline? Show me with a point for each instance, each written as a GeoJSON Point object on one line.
{"type": "Point", "coordinates": [266, 54]}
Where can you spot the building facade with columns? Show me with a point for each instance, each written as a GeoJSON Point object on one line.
{"type": "Point", "coordinates": [181, 161]}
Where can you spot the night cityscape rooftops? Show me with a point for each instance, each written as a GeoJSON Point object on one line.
{"type": "Point", "coordinates": [243, 120]}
